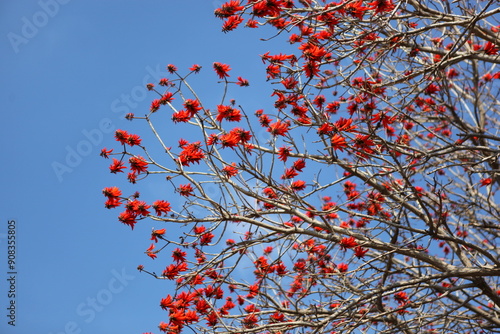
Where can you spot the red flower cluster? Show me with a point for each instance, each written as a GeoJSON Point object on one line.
{"type": "Point", "coordinates": [191, 153]}
{"type": "Point", "coordinates": [125, 138]}
{"type": "Point", "coordinates": [228, 113]}
{"type": "Point", "coordinates": [221, 70]}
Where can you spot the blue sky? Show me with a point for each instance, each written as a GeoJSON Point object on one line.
{"type": "Point", "coordinates": [69, 71]}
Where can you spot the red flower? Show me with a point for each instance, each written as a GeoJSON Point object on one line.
{"type": "Point", "coordinates": [490, 48]}
{"type": "Point", "coordinates": [231, 23]}
{"type": "Point", "coordinates": [299, 165]}
{"type": "Point", "coordinates": [199, 229]}
{"type": "Point", "coordinates": [179, 255]}
{"type": "Point", "coordinates": [166, 302]}
{"type": "Point", "coordinates": [342, 267]}
{"type": "Point", "coordinates": [486, 181]}
{"type": "Point", "coordinates": [132, 177]}
{"type": "Point", "coordinates": [278, 128]}
{"type": "Point", "coordinates": [206, 238]}
{"type": "Point", "coordinates": [431, 89]}
{"type": "Point", "coordinates": [185, 190]}
{"type": "Point", "coordinates": [382, 6]}
{"type": "Point", "coordinates": [112, 192]}
{"type": "Point", "coordinates": [228, 113]}
{"type": "Point", "coordinates": [171, 68]}
{"type": "Point", "coordinates": [313, 52]}
{"type": "Point", "coordinates": [193, 106]}
{"type": "Point", "coordinates": [338, 142]}
{"type": "Point", "coordinates": [121, 136]}
{"type": "Point", "coordinates": [284, 153]}
{"type": "Point", "coordinates": [112, 202]}
{"type": "Point", "coordinates": [348, 242]}
{"type": "Point", "coordinates": [345, 125]}
{"type": "Point", "coordinates": [155, 105]}
{"type": "Point", "coordinates": [270, 193]}
{"type": "Point", "coordinates": [128, 218]}
{"type": "Point", "coordinates": [166, 98]}
{"type": "Point", "coordinates": [298, 185]}
{"type": "Point", "coordinates": [401, 296]}
{"type": "Point", "coordinates": [161, 206]}
{"type": "Point", "coordinates": [133, 140]}
{"type": "Point", "coordinates": [138, 207]}
{"type": "Point", "coordinates": [242, 82]}
{"type": "Point", "coordinates": [116, 166]}
{"type": "Point", "coordinates": [325, 128]}
{"type": "Point", "coordinates": [360, 252]}
{"type": "Point", "coordinates": [195, 68]}
{"type": "Point", "coordinates": [181, 116]}
{"type": "Point", "coordinates": [138, 164]}
{"type": "Point", "coordinates": [252, 24]}
{"type": "Point", "coordinates": [230, 139]}
{"type": "Point", "coordinates": [191, 153]}
{"type": "Point", "coordinates": [243, 135]}
{"type": "Point", "coordinates": [221, 70]}
{"type": "Point", "coordinates": [230, 171]}
{"type": "Point", "coordinates": [157, 233]}
{"type": "Point", "coordinates": [290, 173]}
{"type": "Point", "coordinates": [354, 9]}
{"type": "Point", "coordinates": [228, 9]}
{"type": "Point", "coordinates": [105, 153]}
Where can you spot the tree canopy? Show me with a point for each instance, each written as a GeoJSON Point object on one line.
{"type": "Point", "coordinates": [370, 203]}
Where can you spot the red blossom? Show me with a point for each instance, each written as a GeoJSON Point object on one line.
{"type": "Point", "coordinates": [348, 242]}
{"type": "Point", "coordinates": [116, 166]}
{"type": "Point", "coordinates": [360, 252]}
{"type": "Point", "coordinates": [191, 153]}
{"type": "Point", "coordinates": [171, 68]}
{"type": "Point", "coordinates": [155, 105]}
{"type": "Point", "coordinates": [121, 136]}
{"type": "Point", "coordinates": [228, 113]}
{"type": "Point", "coordinates": [179, 255]}
{"type": "Point", "coordinates": [139, 208]}
{"type": "Point", "coordinates": [338, 142]}
{"type": "Point", "coordinates": [206, 238]}
{"type": "Point", "coordinates": [181, 116]}
{"type": "Point", "coordinates": [230, 139]}
{"type": "Point", "coordinates": [195, 68]}
{"type": "Point", "coordinates": [192, 106]}
{"type": "Point", "coordinates": [490, 48]}
{"type": "Point", "coordinates": [221, 70]}
{"type": "Point", "coordinates": [278, 128]}
{"type": "Point", "coordinates": [230, 171]}
{"type": "Point", "coordinates": [112, 192]}
{"type": "Point", "coordinates": [486, 181]}
{"type": "Point", "coordinates": [381, 6]}
{"type": "Point", "coordinates": [157, 234]}
{"type": "Point", "coordinates": [290, 173]}
{"type": "Point", "coordinates": [161, 206]}
{"type": "Point", "coordinates": [199, 229]}
{"type": "Point", "coordinates": [231, 23]}
{"type": "Point", "coordinates": [242, 82]}
{"type": "Point", "coordinates": [300, 164]}
{"type": "Point", "coordinates": [284, 153]}
{"type": "Point", "coordinates": [186, 190]}
{"type": "Point", "coordinates": [112, 202]}
{"type": "Point", "coordinates": [138, 164]}
{"type": "Point", "coordinates": [128, 218]}
{"type": "Point", "coordinates": [342, 267]}
{"type": "Point", "coordinates": [298, 185]}
{"type": "Point", "coordinates": [228, 9]}
{"type": "Point", "coordinates": [105, 153]}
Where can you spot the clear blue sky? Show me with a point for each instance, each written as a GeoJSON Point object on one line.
{"type": "Point", "coordinates": [67, 69]}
